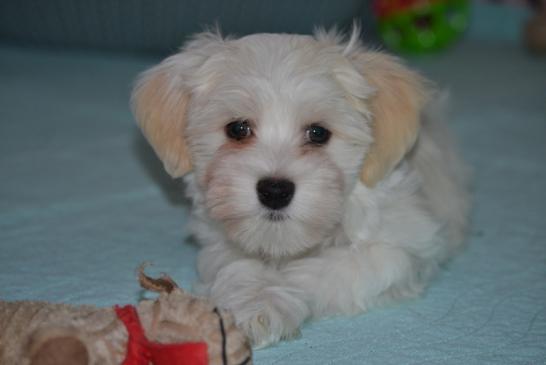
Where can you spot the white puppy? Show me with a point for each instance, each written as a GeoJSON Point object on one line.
{"type": "Point", "coordinates": [322, 180]}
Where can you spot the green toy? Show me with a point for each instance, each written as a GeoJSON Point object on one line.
{"type": "Point", "coordinates": [419, 26]}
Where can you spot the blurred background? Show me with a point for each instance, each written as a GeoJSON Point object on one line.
{"type": "Point", "coordinates": [83, 199]}
{"type": "Point", "coordinates": [161, 26]}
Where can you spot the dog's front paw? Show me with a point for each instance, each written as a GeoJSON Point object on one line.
{"type": "Point", "coordinates": [264, 307]}
{"type": "Point", "coordinates": [267, 315]}
{"type": "Point", "coordinates": [268, 327]}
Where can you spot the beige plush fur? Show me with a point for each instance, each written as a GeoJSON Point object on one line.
{"type": "Point", "coordinates": [38, 333]}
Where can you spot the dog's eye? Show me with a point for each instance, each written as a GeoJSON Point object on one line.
{"type": "Point", "coordinates": [238, 130]}
{"type": "Point", "coordinates": [316, 134]}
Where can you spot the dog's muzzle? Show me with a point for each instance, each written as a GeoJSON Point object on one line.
{"type": "Point", "coordinates": [275, 193]}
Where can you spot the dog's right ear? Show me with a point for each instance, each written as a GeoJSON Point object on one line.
{"type": "Point", "coordinates": [159, 103]}
{"type": "Point", "coordinates": [161, 98]}
{"type": "Point", "coordinates": [396, 111]}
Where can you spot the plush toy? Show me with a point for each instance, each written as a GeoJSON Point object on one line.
{"type": "Point", "coordinates": [417, 26]}
{"type": "Point", "coordinates": [175, 329]}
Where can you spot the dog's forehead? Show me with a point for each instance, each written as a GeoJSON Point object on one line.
{"type": "Point", "coordinates": [274, 46]}
{"type": "Point", "coordinates": [280, 82]}
{"type": "Point", "coordinates": [275, 68]}
{"type": "Point", "coordinates": [281, 57]}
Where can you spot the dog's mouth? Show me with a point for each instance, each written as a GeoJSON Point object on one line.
{"type": "Point", "coordinates": [274, 216]}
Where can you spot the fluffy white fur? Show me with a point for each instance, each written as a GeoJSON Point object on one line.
{"type": "Point", "coordinates": [351, 238]}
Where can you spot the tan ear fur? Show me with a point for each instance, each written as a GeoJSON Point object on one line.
{"type": "Point", "coordinates": [395, 107]}
{"type": "Point", "coordinates": [160, 109]}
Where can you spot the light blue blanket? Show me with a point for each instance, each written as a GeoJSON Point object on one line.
{"type": "Point", "coordinates": [83, 201]}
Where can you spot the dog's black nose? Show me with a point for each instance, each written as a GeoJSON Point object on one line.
{"type": "Point", "coordinates": [275, 193]}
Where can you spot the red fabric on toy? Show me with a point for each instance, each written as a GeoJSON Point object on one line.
{"type": "Point", "coordinates": [140, 351]}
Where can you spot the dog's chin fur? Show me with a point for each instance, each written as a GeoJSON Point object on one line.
{"type": "Point", "coordinates": [342, 245]}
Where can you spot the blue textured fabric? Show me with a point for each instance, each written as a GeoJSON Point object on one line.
{"type": "Point", "coordinates": [83, 202]}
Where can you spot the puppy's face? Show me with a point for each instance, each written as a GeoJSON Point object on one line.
{"type": "Point", "coordinates": [275, 129]}
{"type": "Point", "coordinates": [275, 143]}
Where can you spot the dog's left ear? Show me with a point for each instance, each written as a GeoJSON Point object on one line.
{"type": "Point", "coordinates": [159, 105]}
{"type": "Point", "coordinates": [162, 96]}
{"type": "Point", "coordinates": [400, 95]}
